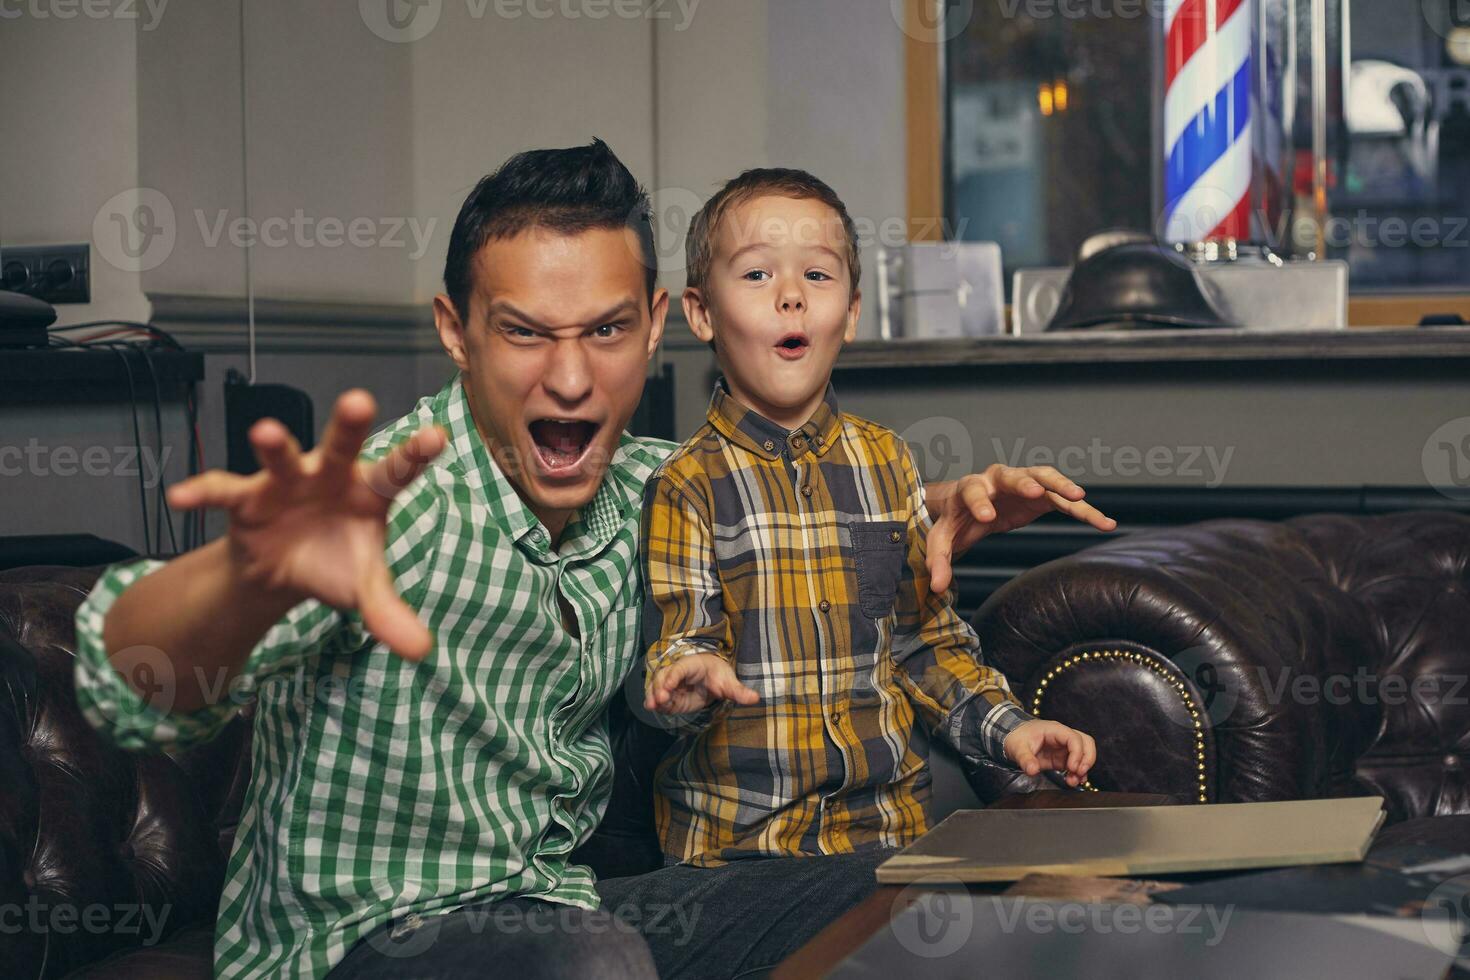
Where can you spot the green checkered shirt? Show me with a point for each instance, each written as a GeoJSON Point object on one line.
{"type": "Point", "coordinates": [381, 787]}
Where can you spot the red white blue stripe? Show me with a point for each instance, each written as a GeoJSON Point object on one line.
{"type": "Point", "coordinates": [1207, 107]}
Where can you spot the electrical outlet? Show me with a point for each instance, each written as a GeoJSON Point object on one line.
{"type": "Point", "coordinates": [54, 273]}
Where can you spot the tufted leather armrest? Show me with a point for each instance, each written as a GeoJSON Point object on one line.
{"type": "Point", "coordinates": [100, 850]}
{"type": "Point", "coordinates": [1244, 660]}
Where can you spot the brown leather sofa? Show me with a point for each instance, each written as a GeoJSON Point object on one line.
{"type": "Point", "coordinates": [1205, 659]}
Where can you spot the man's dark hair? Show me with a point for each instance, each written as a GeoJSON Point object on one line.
{"type": "Point", "coordinates": [567, 191]}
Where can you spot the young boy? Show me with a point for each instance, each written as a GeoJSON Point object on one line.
{"type": "Point", "coordinates": [787, 605]}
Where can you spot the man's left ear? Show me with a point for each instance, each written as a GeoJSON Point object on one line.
{"type": "Point", "coordinates": [659, 314]}
{"type": "Point", "coordinates": [854, 312]}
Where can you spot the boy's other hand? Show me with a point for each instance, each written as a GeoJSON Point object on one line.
{"type": "Point", "coordinates": [1036, 745]}
{"type": "Point", "coordinates": [693, 683]}
{"type": "Point", "coordinates": [1002, 498]}
{"type": "Point", "coordinates": [313, 525]}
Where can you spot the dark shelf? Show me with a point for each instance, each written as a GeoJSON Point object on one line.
{"type": "Point", "coordinates": [1164, 346]}
{"type": "Point", "coordinates": [91, 375]}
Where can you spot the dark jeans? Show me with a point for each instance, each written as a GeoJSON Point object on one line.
{"type": "Point", "coordinates": [519, 938]}
{"type": "Point", "coordinates": [738, 920]}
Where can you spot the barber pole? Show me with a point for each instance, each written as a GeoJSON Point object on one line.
{"type": "Point", "coordinates": [1206, 118]}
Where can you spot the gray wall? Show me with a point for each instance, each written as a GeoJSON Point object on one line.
{"type": "Point", "coordinates": [345, 124]}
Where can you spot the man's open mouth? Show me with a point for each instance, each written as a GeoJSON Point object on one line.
{"type": "Point", "coordinates": [561, 443]}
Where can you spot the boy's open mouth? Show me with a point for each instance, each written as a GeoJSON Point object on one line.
{"type": "Point", "coordinates": [561, 443]}
{"type": "Point", "coordinates": [792, 346]}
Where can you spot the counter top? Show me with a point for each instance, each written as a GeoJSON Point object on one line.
{"type": "Point", "coordinates": [1145, 346]}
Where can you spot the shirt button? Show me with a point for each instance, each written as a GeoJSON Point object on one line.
{"type": "Point", "coordinates": [806, 490]}
{"type": "Point", "coordinates": [893, 536]}
{"type": "Point", "coordinates": [824, 605]}
{"type": "Point", "coordinates": [769, 445]}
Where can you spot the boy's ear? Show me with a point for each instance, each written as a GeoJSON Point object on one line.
{"type": "Point", "coordinates": [658, 314]}
{"type": "Point", "coordinates": [451, 331]}
{"type": "Point", "coordinates": [697, 313]}
{"type": "Point", "coordinates": [854, 312]}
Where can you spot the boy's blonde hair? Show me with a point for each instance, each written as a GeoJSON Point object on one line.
{"type": "Point", "coordinates": [699, 245]}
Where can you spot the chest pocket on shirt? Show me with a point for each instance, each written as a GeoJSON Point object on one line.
{"type": "Point", "coordinates": [878, 554]}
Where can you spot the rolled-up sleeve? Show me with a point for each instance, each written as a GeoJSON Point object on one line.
{"type": "Point", "coordinates": [118, 711]}
{"type": "Point", "coordinates": [966, 702]}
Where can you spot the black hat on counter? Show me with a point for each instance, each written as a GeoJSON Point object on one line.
{"type": "Point", "coordinates": [1136, 285]}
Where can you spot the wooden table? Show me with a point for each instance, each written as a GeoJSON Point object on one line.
{"type": "Point", "coordinates": [840, 939]}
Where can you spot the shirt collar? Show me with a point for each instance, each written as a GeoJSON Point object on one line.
{"type": "Point", "coordinates": [758, 434]}
{"type": "Point", "coordinates": [593, 527]}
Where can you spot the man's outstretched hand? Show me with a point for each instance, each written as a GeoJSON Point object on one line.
{"type": "Point", "coordinates": [693, 683]}
{"type": "Point", "coordinates": [1001, 498]}
{"type": "Point", "coordinates": [313, 525]}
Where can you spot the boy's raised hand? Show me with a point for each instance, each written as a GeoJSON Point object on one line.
{"type": "Point", "coordinates": [313, 525]}
{"type": "Point", "coordinates": [1036, 745]}
{"type": "Point", "coordinates": [695, 682]}
{"type": "Point", "coordinates": [1001, 498]}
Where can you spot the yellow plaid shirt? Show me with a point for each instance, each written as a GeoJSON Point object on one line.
{"type": "Point", "coordinates": [798, 556]}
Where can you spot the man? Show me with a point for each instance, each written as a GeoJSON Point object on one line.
{"type": "Point", "coordinates": [435, 618]}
